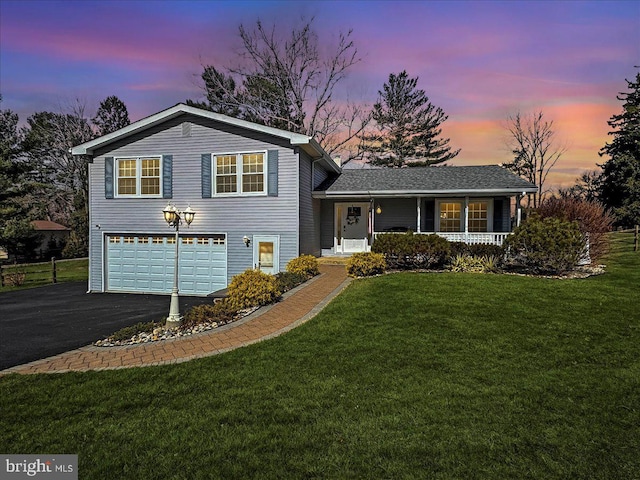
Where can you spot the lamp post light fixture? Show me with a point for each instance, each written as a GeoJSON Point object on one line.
{"type": "Point", "coordinates": [174, 218]}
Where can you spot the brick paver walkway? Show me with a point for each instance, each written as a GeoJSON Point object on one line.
{"type": "Point", "coordinates": [296, 308]}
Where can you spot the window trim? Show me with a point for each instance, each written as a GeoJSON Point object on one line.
{"type": "Point", "coordinates": [240, 174]}
{"type": "Point", "coordinates": [460, 220]}
{"type": "Point", "coordinates": [138, 159]}
{"type": "Point", "coordinates": [461, 201]}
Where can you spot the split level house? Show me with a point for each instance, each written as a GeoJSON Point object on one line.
{"type": "Point", "coordinates": [262, 196]}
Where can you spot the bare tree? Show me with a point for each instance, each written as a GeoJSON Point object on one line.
{"type": "Point", "coordinates": [285, 81]}
{"type": "Point", "coordinates": [532, 140]}
{"type": "Point", "coordinates": [63, 191]}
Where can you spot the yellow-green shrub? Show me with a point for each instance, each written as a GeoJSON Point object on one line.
{"type": "Point", "coordinates": [220, 312]}
{"type": "Point", "coordinates": [366, 264]}
{"type": "Point", "coordinates": [475, 264]}
{"type": "Point", "coordinates": [306, 265]}
{"type": "Point", "coordinates": [252, 288]}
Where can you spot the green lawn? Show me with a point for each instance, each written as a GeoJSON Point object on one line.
{"type": "Point", "coordinates": [38, 274]}
{"type": "Point", "coordinates": [443, 376]}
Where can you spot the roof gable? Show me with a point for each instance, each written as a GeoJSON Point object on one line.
{"type": "Point", "coordinates": [425, 180]}
{"type": "Point", "coordinates": [305, 142]}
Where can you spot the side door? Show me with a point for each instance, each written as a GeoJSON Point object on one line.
{"type": "Point", "coordinates": [266, 253]}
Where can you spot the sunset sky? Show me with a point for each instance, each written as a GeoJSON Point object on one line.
{"type": "Point", "coordinates": [478, 60]}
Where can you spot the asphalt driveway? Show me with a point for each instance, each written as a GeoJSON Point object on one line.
{"type": "Point", "coordinates": [45, 321]}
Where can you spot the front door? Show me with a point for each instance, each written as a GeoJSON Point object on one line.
{"type": "Point", "coordinates": [266, 253]}
{"type": "Point", "coordinates": [352, 227]}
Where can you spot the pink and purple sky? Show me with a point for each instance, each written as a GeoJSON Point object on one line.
{"type": "Point", "coordinates": [478, 60]}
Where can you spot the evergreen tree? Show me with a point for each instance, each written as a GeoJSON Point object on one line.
{"type": "Point", "coordinates": [620, 181]}
{"type": "Point", "coordinates": [112, 115]}
{"type": "Point", "coordinates": [408, 127]}
{"type": "Point", "coordinates": [17, 235]}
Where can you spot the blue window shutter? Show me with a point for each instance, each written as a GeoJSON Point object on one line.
{"type": "Point", "coordinates": [272, 173]}
{"type": "Point", "coordinates": [206, 175]}
{"type": "Point", "coordinates": [497, 215]}
{"type": "Point", "coordinates": [108, 177]}
{"type": "Point", "coordinates": [167, 180]}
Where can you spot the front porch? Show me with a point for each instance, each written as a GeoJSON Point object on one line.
{"type": "Point", "coordinates": [473, 220]}
{"type": "Point", "coordinates": [473, 204]}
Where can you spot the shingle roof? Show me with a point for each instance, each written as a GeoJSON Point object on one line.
{"type": "Point", "coordinates": [425, 180]}
{"type": "Point", "coordinates": [47, 225]}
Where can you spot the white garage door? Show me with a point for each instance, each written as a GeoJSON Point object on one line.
{"type": "Point", "coordinates": [144, 263]}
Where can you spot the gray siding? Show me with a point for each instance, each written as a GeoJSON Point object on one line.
{"type": "Point", "coordinates": [396, 213]}
{"type": "Point", "coordinates": [234, 216]}
{"type": "Point", "coordinates": [327, 224]}
{"type": "Point", "coordinates": [309, 208]}
{"type": "Point", "coordinates": [319, 175]}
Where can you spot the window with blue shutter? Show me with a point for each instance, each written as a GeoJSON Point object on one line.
{"type": "Point", "coordinates": [206, 175]}
{"type": "Point", "coordinates": [167, 179]}
{"type": "Point", "coordinates": [108, 177]}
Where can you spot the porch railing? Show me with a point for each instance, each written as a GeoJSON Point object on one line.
{"type": "Point", "coordinates": [491, 238]}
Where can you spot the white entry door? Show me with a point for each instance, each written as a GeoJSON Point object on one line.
{"type": "Point", "coordinates": [352, 227]}
{"type": "Point", "coordinates": [266, 253]}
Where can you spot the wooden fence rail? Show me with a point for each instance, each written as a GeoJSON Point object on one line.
{"type": "Point", "coordinates": [16, 275]}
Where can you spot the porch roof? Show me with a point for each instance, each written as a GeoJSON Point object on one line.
{"type": "Point", "coordinates": [414, 181]}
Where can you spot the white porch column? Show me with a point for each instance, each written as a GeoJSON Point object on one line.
{"type": "Point", "coordinates": [372, 209]}
{"type": "Point", "coordinates": [466, 219]}
{"type": "Point", "coordinates": [518, 210]}
{"type": "Point", "coordinates": [419, 199]}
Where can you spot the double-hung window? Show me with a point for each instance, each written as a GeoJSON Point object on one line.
{"type": "Point", "coordinates": [138, 176]}
{"type": "Point", "coordinates": [452, 215]}
{"type": "Point", "coordinates": [240, 174]}
{"type": "Point", "coordinates": [478, 216]}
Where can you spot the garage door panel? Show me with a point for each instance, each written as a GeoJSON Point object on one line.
{"type": "Point", "coordinates": [155, 269]}
{"type": "Point", "coordinates": [142, 255]}
{"type": "Point", "coordinates": [145, 264]}
{"type": "Point", "coordinates": [159, 255]}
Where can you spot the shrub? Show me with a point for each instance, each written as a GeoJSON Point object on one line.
{"type": "Point", "coordinates": [306, 265]}
{"type": "Point", "coordinates": [592, 218]}
{"type": "Point", "coordinates": [365, 264]}
{"type": "Point", "coordinates": [220, 312]}
{"type": "Point", "coordinates": [15, 277]}
{"type": "Point", "coordinates": [545, 246]}
{"type": "Point", "coordinates": [458, 248]}
{"type": "Point", "coordinates": [252, 288]}
{"type": "Point", "coordinates": [475, 264]}
{"type": "Point", "coordinates": [409, 251]}
{"type": "Point", "coordinates": [476, 250]}
{"type": "Point", "coordinates": [287, 280]}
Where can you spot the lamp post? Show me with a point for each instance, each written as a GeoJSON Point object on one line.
{"type": "Point", "coordinates": [174, 218]}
